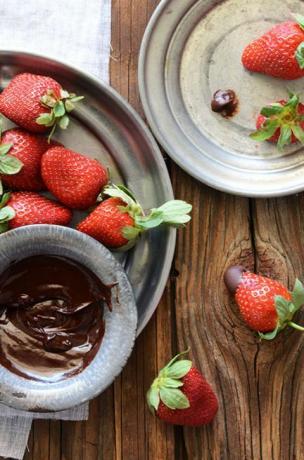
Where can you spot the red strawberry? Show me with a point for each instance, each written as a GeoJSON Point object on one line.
{"type": "Point", "coordinates": [265, 304]}
{"type": "Point", "coordinates": [28, 148]}
{"type": "Point", "coordinates": [279, 52]}
{"type": "Point", "coordinates": [281, 122]}
{"type": "Point", "coordinates": [27, 208]}
{"type": "Point", "coordinates": [37, 102]}
{"type": "Point", "coordinates": [106, 223]}
{"type": "Point", "coordinates": [73, 178]}
{"type": "Point", "coordinates": [180, 395]}
{"type": "Point", "coordinates": [119, 220]}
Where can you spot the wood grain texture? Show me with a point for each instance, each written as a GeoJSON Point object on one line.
{"type": "Point", "coordinates": [258, 384]}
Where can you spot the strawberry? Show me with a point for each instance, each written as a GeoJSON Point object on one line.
{"type": "Point", "coordinates": [26, 149]}
{"type": "Point", "coordinates": [27, 208]}
{"type": "Point", "coordinates": [180, 395]}
{"type": "Point", "coordinates": [281, 122]}
{"type": "Point", "coordinates": [73, 178]}
{"type": "Point", "coordinates": [106, 223]}
{"type": "Point", "coordinates": [37, 102]}
{"type": "Point", "coordinates": [265, 304]}
{"type": "Point", "coordinates": [279, 52]}
{"type": "Point", "coordinates": [119, 220]}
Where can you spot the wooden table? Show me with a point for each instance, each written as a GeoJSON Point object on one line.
{"type": "Point", "coordinates": [261, 415]}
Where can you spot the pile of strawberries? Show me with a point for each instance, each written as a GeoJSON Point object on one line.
{"type": "Point", "coordinates": [31, 163]}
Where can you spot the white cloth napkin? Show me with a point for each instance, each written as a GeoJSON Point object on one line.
{"type": "Point", "coordinates": [77, 32]}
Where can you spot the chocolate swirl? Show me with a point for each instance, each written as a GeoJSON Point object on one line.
{"type": "Point", "coordinates": [51, 317]}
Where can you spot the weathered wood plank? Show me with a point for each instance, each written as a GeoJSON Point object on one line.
{"type": "Point", "coordinates": [55, 438]}
{"type": "Point", "coordinates": [221, 346]}
{"type": "Point", "coordinates": [72, 440]}
{"type": "Point", "coordinates": [41, 440]}
{"type": "Point", "coordinates": [279, 241]}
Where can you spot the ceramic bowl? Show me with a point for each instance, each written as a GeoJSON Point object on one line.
{"type": "Point", "coordinates": [120, 324]}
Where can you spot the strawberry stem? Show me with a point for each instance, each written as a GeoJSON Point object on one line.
{"type": "Point", "coordinates": [175, 358]}
{"type": "Point", "coordinates": [296, 326]}
{"type": "Point", "coordinates": [51, 133]}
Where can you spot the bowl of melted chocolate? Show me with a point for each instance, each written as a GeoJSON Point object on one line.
{"type": "Point", "coordinates": [67, 318]}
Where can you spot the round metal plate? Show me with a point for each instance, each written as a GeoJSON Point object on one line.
{"type": "Point", "coordinates": [192, 48]}
{"type": "Point", "coordinates": [107, 128]}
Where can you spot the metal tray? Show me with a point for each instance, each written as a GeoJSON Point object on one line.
{"type": "Point", "coordinates": [105, 127]}
{"type": "Point", "coordinates": [191, 48]}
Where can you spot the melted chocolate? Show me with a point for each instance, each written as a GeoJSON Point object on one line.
{"type": "Point", "coordinates": [233, 276]}
{"type": "Point", "coordinates": [51, 317]}
{"type": "Point", "coordinates": [224, 102]}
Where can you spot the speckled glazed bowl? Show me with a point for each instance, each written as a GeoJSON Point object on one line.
{"type": "Point", "coordinates": [120, 324]}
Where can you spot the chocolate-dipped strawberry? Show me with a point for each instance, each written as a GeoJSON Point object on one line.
{"type": "Point", "coordinates": [266, 305]}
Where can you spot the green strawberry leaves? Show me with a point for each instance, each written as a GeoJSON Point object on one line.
{"type": "Point", "coordinates": [5, 148]}
{"type": "Point", "coordinates": [178, 369]}
{"type": "Point", "coordinates": [166, 387]}
{"type": "Point", "coordinates": [4, 199]}
{"type": "Point", "coordinates": [59, 109]}
{"type": "Point", "coordinates": [64, 122]}
{"type": "Point", "coordinates": [153, 398]}
{"type": "Point", "coordinates": [297, 294]}
{"type": "Point", "coordinates": [286, 309]}
{"type": "Point", "coordinates": [173, 398]}
{"type": "Point", "coordinates": [173, 383]}
{"type": "Point", "coordinates": [174, 212]}
{"type": "Point", "coordinates": [130, 233]}
{"type": "Point", "coordinates": [273, 109]}
{"type": "Point", "coordinates": [283, 117]}
{"type": "Point", "coordinates": [8, 163]}
{"type": "Point", "coordinates": [122, 192]}
{"type": "Point", "coordinates": [292, 102]}
{"type": "Point", "coordinates": [299, 19]}
{"type": "Point", "coordinates": [299, 133]}
{"type": "Point", "coordinates": [266, 132]}
{"type": "Point", "coordinates": [7, 213]}
{"type": "Point", "coordinates": [285, 137]}
{"type": "Point", "coordinates": [300, 55]}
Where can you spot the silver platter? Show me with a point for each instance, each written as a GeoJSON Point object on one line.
{"type": "Point", "coordinates": [107, 128]}
{"type": "Point", "coordinates": [191, 48]}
